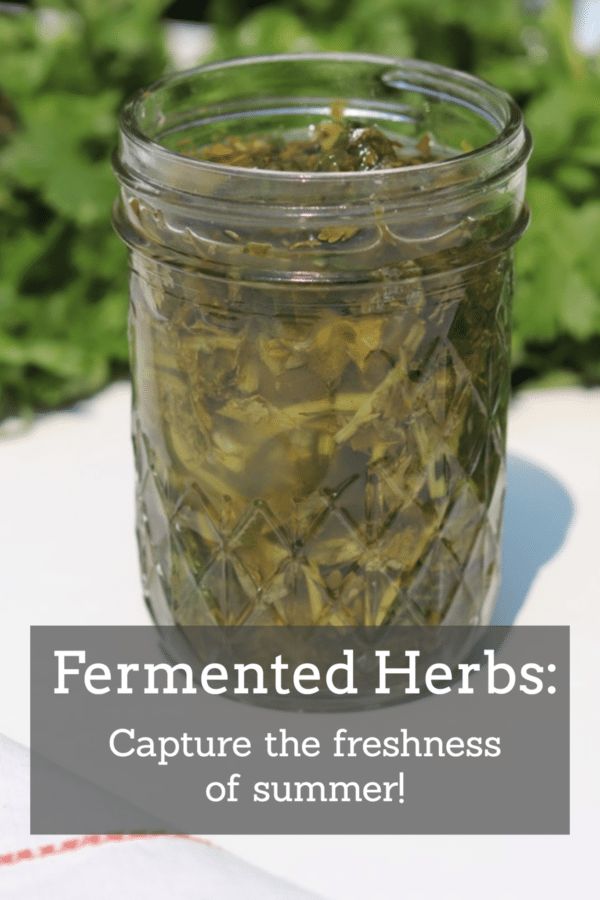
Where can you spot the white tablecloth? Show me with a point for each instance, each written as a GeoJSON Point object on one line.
{"type": "Point", "coordinates": [68, 556]}
{"type": "Point", "coordinates": [99, 867]}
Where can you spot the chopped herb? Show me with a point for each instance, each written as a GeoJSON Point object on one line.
{"type": "Point", "coordinates": [339, 464]}
{"type": "Point", "coordinates": [336, 145]}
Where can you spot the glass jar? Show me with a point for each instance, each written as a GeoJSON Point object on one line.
{"type": "Point", "coordinates": [320, 360]}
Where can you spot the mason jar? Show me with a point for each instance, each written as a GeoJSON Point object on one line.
{"type": "Point", "coordinates": [320, 360]}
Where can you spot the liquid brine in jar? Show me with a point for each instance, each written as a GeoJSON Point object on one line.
{"type": "Point", "coordinates": [321, 278]}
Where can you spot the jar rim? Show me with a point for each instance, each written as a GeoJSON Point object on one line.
{"type": "Point", "coordinates": [453, 85]}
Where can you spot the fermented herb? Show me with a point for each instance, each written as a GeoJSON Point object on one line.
{"type": "Point", "coordinates": [327, 462]}
{"type": "Point", "coordinates": [338, 145]}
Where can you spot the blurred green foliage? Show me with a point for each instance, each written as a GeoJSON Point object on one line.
{"type": "Point", "coordinates": [63, 272]}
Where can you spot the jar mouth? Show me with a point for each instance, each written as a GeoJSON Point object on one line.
{"type": "Point", "coordinates": [407, 92]}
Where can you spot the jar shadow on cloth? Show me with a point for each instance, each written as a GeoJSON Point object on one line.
{"type": "Point", "coordinates": [538, 512]}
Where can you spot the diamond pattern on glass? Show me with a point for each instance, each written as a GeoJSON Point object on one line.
{"type": "Point", "coordinates": [397, 519]}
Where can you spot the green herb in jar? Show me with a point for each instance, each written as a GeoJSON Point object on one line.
{"type": "Point", "coordinates": [336, 145]}
{"type": "Point", "coordinates": [321, 381]}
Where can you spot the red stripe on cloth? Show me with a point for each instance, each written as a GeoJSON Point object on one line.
{"type": "Point", "coordinates": [87, 840]}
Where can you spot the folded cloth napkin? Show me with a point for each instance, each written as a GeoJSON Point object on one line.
{"type": "Point", "coordinates": [103, 867]}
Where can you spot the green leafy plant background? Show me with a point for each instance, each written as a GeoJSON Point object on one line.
{"type": "Point", "coordinates": [63, 286]}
